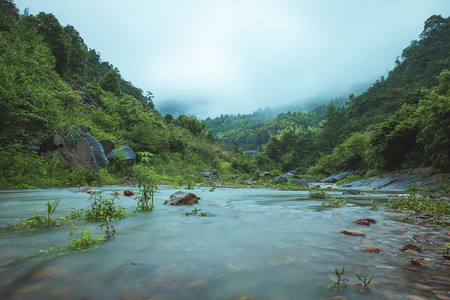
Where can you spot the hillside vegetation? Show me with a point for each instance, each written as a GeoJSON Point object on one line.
{"type": "Point", "coordinates": [402, 121]}
{"type": "Point", "coordinates": [51, 82]}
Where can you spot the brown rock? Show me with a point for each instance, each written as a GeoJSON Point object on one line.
{"type": "Point", "coordinates": [446, 256]}
{"type": "Point", "coordinates": [372, 250]}
{"type": "Point", "coordinates": [411, 247]}
{"type": "Point", "coordinates": [365, 222]}
{"type": "Point", "coordinates": [416, 261]}
{"type": "Point", "coordinates": [278, 187]}
{"type": "Point", "coordinates": [353, 232]}
{"type": "Point", "coordinates": [182, 198]}
{"type": "Point", "coordinates": [420, 238]}
{"type": "Point", "coordinates": [129, 193]}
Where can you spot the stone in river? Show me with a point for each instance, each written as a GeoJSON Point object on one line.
{"type": "Point", "coordinates": [416, 261]}
{"type": "Point", "coordinates": [353, 232]}
{"type": "Point", "coordinates": [411, 247]}
{"type": "Point", "coordinates": [372, 250]}
{"type": "Point", "coordinates": [365, 222]}
{"type": "Point", "coordinates": [182, 198]}
{"type": "Point", "coordinates": [420, 238]}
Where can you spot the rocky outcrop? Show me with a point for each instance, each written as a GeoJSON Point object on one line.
{"type": "Point", "coordinates": [95, 146]}
{"type": "Point", "coordinates": [395, 181]}
{"type": "Point", "coordinates": [291, 175]}
{"type": "Point", "coordinates": [336, 177]}
{"type": "Point", "coordinates": [301, 182]}
{"type": "Point", "coordinates": [80, 155]}
{"type": "Point", "coordinates": [182, 198]}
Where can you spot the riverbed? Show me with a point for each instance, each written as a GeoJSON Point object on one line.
{"type": "Point", "coordinates": [254, 244]}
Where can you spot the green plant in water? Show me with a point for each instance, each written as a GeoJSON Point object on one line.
{"type": "Point", "coordinates": [331, 201]}
{"type": "Point", "coordinates": [103, 208]}
{"type": "Point", "coordinates": [446, 248]}
{"type": "Point", "coordinates": [416, 203]}
{"type": "Point", "coordinates": [40, 221]}
{"type": "Point", "coordinates": [365, 281]}
{"type": "Point", "coordinates": [147, 181]}
{"type": "Point", "coordinates": [82, 240]}
{"type": "Point", "coordinates": [317, 194]}
{"type": "Point", "coordinates": [340, 284]}
{"type": "Point", "coordinates": [374, 205]}
{"type": "Point", "coordinates": [197, 212]}
{"type": "Point", "coordinates": [110, 230]}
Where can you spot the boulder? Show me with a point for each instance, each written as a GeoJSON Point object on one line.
{"type": "Point", "coordinates": [124, 153]}
{"type": "Point", "coordinates": [336, 177]}
{"type": "Point", "coordinates": [80, 155]}
{"type": "Point", "coordinates": [95, 146]}
{"type": "Point", "coordinates": [353, 232]}
{"type": "Point", "coordinates": [351, 192]}
{"type": "Point", "coordinates": [301, 182]}
{"type": "Point", "coordinates": [182, 198]}
{"type": "Point", "coordinates": [108, 146]}
{"type": "Point", "coordinates": [128, 193]}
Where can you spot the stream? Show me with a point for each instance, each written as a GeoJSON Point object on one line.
{"type": "Point", "coordinates": [255, 244]}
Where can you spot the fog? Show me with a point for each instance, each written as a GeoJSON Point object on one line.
{"type": "Point", "coordinates": [218, 57]}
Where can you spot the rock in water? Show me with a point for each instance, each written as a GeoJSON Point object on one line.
{"type": "Point", "coordinates": [182, 198]}
{"type": "Point", "coordinates": [353, 232]}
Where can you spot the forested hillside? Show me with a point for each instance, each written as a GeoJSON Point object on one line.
{"type": "Point", "coordinates": [402, 121]}
{"type": "Point", "coordinates": [51, 82]}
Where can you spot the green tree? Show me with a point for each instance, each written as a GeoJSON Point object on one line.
{"type": "Point", "coordinates": [111, 82]}
{"type": "Point", "coordinates": [57, 39]}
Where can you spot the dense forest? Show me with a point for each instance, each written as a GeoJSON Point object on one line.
{"type": "Point", "coordinates": [51, 82]}
{"type": "Point", "coordinates": [402, 121]}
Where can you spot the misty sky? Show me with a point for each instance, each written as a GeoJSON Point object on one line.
{"type": "Point", "coordinates": [215, 57]}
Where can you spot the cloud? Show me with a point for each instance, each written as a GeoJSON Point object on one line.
{"type": "Point", "coordinates": [236, 56]}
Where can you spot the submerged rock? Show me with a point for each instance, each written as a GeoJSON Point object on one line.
{"type": "Point", "coordinates": [365, 222]}
{"type": "Point", "coordinates": [416, 261]}
{"type": "Point", "coordinates": [353, 232]}
{"type": "Point", "coordinates": [129, 193]}
{"type": "Point", "coordinates": [182, 198]}
{"type": "Point", "coordinates": [372, 250]}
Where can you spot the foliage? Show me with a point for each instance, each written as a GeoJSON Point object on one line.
{"type": "Point", "coordinates": [365, 281]}
{"type": "Point", "coordinates": [103, 208]}
{"type": "Point", "coordinates": [331, 201]}
{"type": "Point", "coordinates": [82, 240]}
{"type": "Point", "coordinates": [416, 203]}
{"type": "Point", "coordinates": [40, 221]}
{"type": "Point", "coordinates": [317, 194]}
{"type": "Point", "coordinates": [110, 230]}
{"type": "Point", "coordinates": [147, 181]}
{"type": "Point", "coordinates": [197, 212]}
{"type": "Point", "coordinates": [340, 284]}
{"type": "Point", "coordinates": [374, 205]}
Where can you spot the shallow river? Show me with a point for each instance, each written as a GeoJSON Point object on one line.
{"type": "Point", "coordinates": [256, 244]}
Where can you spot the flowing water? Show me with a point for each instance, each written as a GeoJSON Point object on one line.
{"type": "Point", "coordinates": [255, 244]}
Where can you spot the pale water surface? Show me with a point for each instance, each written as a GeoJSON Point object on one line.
{"type": "Point", "coordinates": [256, 243]}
